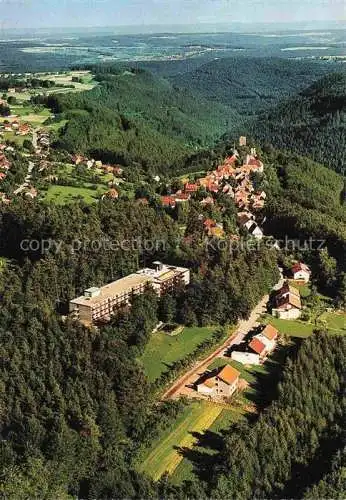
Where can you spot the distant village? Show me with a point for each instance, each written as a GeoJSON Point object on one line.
{"type": "Point", "coordinates": [233, 181]}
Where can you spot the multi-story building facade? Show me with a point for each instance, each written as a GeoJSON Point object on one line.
{"type": "Point", "coordinates": [99, 304]}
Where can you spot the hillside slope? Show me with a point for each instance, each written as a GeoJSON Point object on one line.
{"type": "Point", "coordinates": [312, 123]}
{"type": "Point", "coordinates": [136, 116]}
{"type": "Point", "coordinates": [250, 84]}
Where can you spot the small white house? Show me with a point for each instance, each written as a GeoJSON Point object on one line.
{"type": "Point", "coordinates": [301, 272]}
{"type": "Point", "coordinates": [245, 358]}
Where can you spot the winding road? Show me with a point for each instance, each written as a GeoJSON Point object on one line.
{"type": "Point", "coordinates": [182, 386]}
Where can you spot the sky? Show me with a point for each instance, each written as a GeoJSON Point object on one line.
{"type": "Point", "coordinates": [89, 13]}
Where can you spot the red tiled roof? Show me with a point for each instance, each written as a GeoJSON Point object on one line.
{"type": "Point", "coordinates": [300, 266]}
{"type": "Point", "coordinates": [257, 346]}
{"type": "Point", "coordinates": [228, 374]}
{"type": "Point", "coordinates": [208, 223]}
{"type": "Point", "coordinates": [190, 188]}
{"type": "Point", "coordinates": [167, 201]}
{"type": "Point", "coordinates": [270, 332]}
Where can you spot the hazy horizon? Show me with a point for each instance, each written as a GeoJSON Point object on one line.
{"type": "Point", "coordinates": [132, 29]}
{"type": "Point", "coordinates": [140, 14]}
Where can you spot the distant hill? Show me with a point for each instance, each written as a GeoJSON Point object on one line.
{"type": "Point", "coordinates": [137, 116]}
{"type": "Point", "coordinates": [250, 85]}
{"type": "Point", "coordinates": [313, 123]}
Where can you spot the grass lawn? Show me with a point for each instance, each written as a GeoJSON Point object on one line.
{"type": "Point", "coordinates": [262, 386]}
{"type": "Point", "coordinates": [199, 458]}
{"type": "Point", "coordinates": [166, 454]}
{"type": "Point", "coordinates": [17, 139]}
{"type": "Point", "coordinates": [162, 350]}
{"type": "Point", "coordinates": [291, 327]}
{"type": "Point", "coordinates": [56, 125]}
{"type": "Point", "coordinates": [335, 321]}
{"type": "Point", "coordinates": [68, 194]}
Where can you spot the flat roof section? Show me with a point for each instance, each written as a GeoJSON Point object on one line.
{"type": "Point", "coordinates": [113, 289]}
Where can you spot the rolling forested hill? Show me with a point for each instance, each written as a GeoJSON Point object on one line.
{"type": "Point", "coordinates": [250, 84]}
{"type": "Point", "coordinates": [313, 123]}
{"type": "Point", "coordinates": [133, 115]}
{"type": "Point", "coordinates": [136, 116]}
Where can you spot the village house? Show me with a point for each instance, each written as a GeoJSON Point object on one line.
{"type": "Point", "coordinates": [242, 140]}
{"type": "Point", "coordinates": [31, 193]}
{"type": "Point", "coordinates": [23, 129]}
{"type": "Point", "coordinates": [255, 231]}
{"type": "Point", "coordinates": [246, 358]}
{"type": "Point", "coordinates": [182, 197]}
{"type": "Point", "coordinates": [98, 304]}
{"type": "Point", "coordinates": [221, 384]}
{"type": "Point", "coordinates": [287, 303]}
{"type": "Point", "coordinates": [301, 272]}
{"type": "Point", "coordinates": [168, 201]}
{"type": "Point", "coordinates": [270, 332]}
{"type": "Point", "coordinates": [190, 188]}
{"type": "Point", "coordinates": [259, 348]}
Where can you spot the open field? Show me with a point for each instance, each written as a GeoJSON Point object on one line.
{"type": "Point", "coordinates": [68, 194]}
{"type": "Point", "coordinates": [165, 455]}
{"type": "Point", "coordinates": [163, 350]}
{"type": "Point", "coordinates": [335, 321]}
{"type": "Point", "coordinates": [198, 459]}
{"type": "Point", "coordinates": [291, 327]}
{"type": "Point", "coordinates": [66, 79]}
{"type": "Point", "coordinates": [262, 382]}
{"type": "Point", "coordinates": [17, 139]}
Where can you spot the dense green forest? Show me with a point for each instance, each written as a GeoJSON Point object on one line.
{"type": "Point", "coordinates": [76, 405]}
{"type": "Point", "coordinates": [247, 84]}
{"type": "Point", "coordinates": [306, 204]}
{"type": "Point", "coordinates": [76, 402]}
{"type": "Point", "coordinates": [293, 443]}
{"type": "Point", "coordinates": [312, 123]}
{"type": "Point", "coordinates": [135, 116]}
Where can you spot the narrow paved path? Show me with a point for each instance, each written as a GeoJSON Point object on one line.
{"type": "Point", "coordinates": [180, 387]}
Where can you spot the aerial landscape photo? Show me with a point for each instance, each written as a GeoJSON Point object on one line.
{"type": "Point", "coordinates": [173, 249]}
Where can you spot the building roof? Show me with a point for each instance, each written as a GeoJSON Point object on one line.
{"type": "Point", "coordinates": [208, 223]}
{"type": "Point", "coordinates": [113, 289]}
{"type": "Point", "coordinates": [287, 288]}
{"type": "Point", "coordinates": [290, 299]}
{"type": "Point", "coordinates": [257, 346]}
{"type": "Point", "coordinates": [270, 332]}
{"type": "Point", "coordinates": [228, 374]}
{"type": "Point", "coordinates": [300, 266]}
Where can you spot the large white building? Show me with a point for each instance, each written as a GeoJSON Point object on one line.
{"type": "Point", "coordinates": [98, 304]}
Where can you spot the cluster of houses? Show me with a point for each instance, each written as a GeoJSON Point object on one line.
{"type": "Point", "coordinates": [260, 346]}
{"type": "Point", "coordinates": [115, 170]}
{"type": "Point", "coordinates": [16, 126]}
{"type": "Point", "coordinates": [232, 180]}
{"type": "Point", "coordinates": [222, 383]}
{"type": "Point", "coordinates": [79, 159]}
